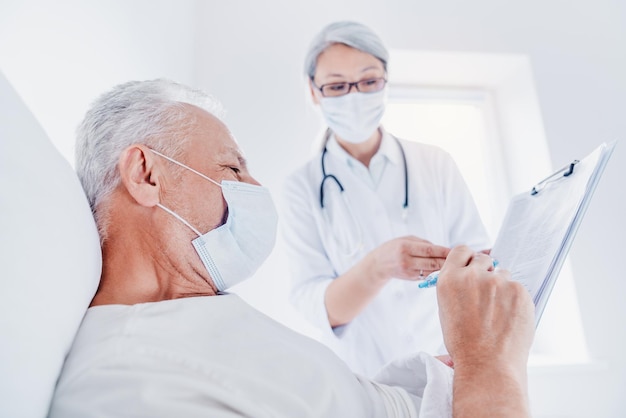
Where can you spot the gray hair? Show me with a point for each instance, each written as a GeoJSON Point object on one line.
{"type": "Point", "coordinates": [138, 112]}
{"type": "Point", "coordinates": [352, 34]}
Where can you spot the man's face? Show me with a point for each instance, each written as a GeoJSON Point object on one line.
{"type": "Point", "coordinates": [212, 151]}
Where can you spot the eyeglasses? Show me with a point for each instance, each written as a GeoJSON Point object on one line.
{"type": "Point", "coordinates": [369, 85]}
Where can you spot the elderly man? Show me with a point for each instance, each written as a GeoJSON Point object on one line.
{"type": "Point", "coordinates": [181, 220]}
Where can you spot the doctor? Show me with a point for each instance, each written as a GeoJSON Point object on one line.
{"type": "Point", "coordinates": [371, 214]}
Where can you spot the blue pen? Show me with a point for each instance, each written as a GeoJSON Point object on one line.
{"type": "Point", "coordinates": [431, 279]}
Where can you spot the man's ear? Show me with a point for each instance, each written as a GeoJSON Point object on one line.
{"type": "Point", "coordinates": [140, 175]}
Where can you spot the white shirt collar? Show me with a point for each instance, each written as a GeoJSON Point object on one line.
{"type": "Point", "coordinates": [389, 148]}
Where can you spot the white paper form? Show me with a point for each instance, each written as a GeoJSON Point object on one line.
{"type": "Point", "coordinates": [538, 229]}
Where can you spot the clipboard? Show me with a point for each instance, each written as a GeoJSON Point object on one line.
{"type": "Point", "coordinates": [540, 225]}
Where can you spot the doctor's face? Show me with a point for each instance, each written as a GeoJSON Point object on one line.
{"type": "Point", "coordinates": [340, 63]}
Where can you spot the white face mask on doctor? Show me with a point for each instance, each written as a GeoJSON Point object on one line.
{"type": "Point", "coordinates": [354, 117]}
{"type": "Point", "coordinates": [233, 251]}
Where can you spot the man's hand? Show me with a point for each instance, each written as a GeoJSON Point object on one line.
{"type": "Point", "coordinates": [488, 327]}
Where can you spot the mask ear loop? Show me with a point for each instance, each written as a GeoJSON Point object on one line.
{"type": "Point", "coordinates": [171, 212]}
{"type": "Point", "coordinates": [177, 216]}
{"type": "Point", "coordinates": [184, 166]}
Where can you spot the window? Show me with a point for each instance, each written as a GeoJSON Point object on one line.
{"type": "Point", "coordinates": [457, 121]}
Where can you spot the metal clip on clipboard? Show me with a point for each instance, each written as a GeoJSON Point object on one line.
{"type": "Point", "coordinates": [565, 171]}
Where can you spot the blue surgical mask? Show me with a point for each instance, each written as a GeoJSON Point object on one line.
{"type": "Point", "coordinates": [234, 251]}
{"type": "Point", "coordinates": [354, 117]}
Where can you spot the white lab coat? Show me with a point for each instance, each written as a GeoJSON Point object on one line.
{"type": "Point", "coordinates": [402, 318]}
{"type": "Point", "coordinates": [216, 356]}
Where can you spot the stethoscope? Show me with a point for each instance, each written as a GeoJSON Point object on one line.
{"type": "Point", "coordinates": [328, 176]}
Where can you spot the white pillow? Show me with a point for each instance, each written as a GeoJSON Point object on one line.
{"type": "Point", "coordinates": [50, 260]}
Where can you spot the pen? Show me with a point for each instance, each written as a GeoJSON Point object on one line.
{"type": "Point", "coordinates": [431, 279]}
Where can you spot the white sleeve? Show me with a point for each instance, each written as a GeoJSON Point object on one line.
{"type": "Point", "coordinates": [426, 380]}
{"type": "Point", "coordinates": [395, 402]}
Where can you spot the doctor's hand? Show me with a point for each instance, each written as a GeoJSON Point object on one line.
{"type": "Point", "coordinates": [488, 326]}
{"type": "Point", "coordinates": [404, 258]}
{"type": "Point", "coordinates": [408, 258]}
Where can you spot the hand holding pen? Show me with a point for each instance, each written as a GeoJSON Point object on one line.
{"type": "Point", "coordinates": [431, 279]}
{"type": "Point", "coordinates": [487, 321]}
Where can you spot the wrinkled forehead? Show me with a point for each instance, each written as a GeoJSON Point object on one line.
{"type": "Point", "coordinates": [210, 136]}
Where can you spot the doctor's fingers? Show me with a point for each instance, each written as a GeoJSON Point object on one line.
{"type": "Point", "coordinates": [426, 258]}
{"type": "Point", "coordinates": [417, 268]}
{"type": "Point", "coordinates": [408, 258]}
{"type": "Point", "coordinates": [425, 249]}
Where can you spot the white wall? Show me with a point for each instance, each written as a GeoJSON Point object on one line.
{"type": "Point", "coordinates": [60, 55]}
